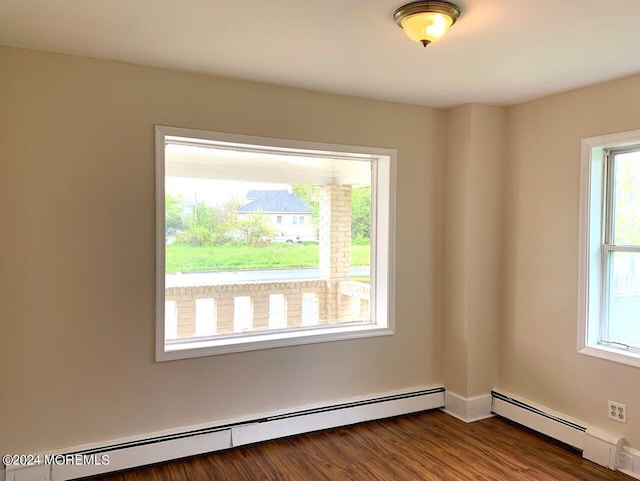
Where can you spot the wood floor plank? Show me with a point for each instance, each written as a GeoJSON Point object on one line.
{"type": "Point", "coordinates": [160, 472]}
{"type": "Point", "coordinates": [430, 446]}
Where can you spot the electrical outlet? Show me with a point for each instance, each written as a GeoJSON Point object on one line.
{"type": "Point", "coordinates": [618, 412]}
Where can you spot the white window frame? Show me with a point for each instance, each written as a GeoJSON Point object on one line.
{"type": "Point", "coordinates": [383, 192]}
{"type": "Point", "coordinates": [595, 199]}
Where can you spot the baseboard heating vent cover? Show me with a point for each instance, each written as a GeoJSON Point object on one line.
{"type": "Point", "coordinates": [541, 419]}
{"type": "Point", "coordinates": [153, 448]}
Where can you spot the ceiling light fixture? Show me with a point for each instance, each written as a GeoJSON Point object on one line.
{"type": "Point", "coordinates": [426, 21]}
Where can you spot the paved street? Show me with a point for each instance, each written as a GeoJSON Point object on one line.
{"type": "Point", "coordinates": [218, 277]}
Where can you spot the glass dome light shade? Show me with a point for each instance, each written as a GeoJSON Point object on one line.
{"type": "Point", "coordinates": [428, 26]}
{"type": "Point", "coordinates": [426, 21]}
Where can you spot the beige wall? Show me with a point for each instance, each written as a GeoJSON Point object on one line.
{"type": "Point", "coordinates": [76, 283]}
{"type": "Point", "coordinates": [474, 162]}
{"type": "Point", "coordinates": [485, 245]}
{"type": "Point", "coordinates": [456, 206]}
{"type": "Point", "coordinates": [538, 357]}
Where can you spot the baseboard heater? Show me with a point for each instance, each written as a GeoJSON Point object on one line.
{"type": "Point", "coordinates": [167, 446]}
{"type": "Point", "coordinates": [597, 445]}
{"type": "Point", "coordinates": [552, 424]}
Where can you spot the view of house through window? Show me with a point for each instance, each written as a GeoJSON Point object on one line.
{"type": "Point", "coordinates": [258, 240]}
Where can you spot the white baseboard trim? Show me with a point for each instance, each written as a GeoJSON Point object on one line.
{"type": "Point", "coordinates": [597, 445]}
{"type": "Point", "coordinates": [168, 445]}
{"type": "Point", "coordinates": [467, 409]}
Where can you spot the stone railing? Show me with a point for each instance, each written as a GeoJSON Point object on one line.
{"type": "Point", "coordinates": [256, 306]}
{"type": "Point", "coordinates": [353, 300]}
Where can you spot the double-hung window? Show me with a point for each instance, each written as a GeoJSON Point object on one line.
{"type": "Point", "coordinates": [609, 310]}
{"type": "Point", "coordinates": [230, 277]}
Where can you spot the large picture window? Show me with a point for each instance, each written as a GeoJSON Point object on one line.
{"type": "Point", "coordinates": [265, 243]}
{"type": "Point", "coordinates": [610, 259]}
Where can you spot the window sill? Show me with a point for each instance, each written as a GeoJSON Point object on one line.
{"type": "Point", "coordinates": [611, 354]}
{"type": "Point", "coordinates": [190, 348]}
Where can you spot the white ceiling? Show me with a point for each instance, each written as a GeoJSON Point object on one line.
{"type": "Point", "coordinates": [499, 52]}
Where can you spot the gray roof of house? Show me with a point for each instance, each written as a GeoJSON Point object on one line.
{"type": "Point", "coordinates": [275, 201]}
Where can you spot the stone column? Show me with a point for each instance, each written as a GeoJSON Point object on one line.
{"type": "Point", "coordinates": [335, 242]}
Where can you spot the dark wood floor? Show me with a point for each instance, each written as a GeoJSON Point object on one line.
{"type": "Point", "coordinates": [431, 446]}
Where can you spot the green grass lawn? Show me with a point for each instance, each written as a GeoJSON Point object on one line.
{"type": "Point", "coordinates": [182, 258]}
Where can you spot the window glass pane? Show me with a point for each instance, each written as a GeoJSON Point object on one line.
{"type": "Point", "coordinates": [624, 299]}
{"type": "Point", "coordinates": [205, 317]}
{"type": "Point", "coordinates": [277, 318]}
{"type": "Point", "coordinates": [310, 309]}
{"type": "Point", "coordinates": [170, 320]}
{"type": "Point", "coordinates": [241, 313]}
{"type": "Point", "coordinates": [627, 199]}
{"type": "Point", "coordinates": [244, 227]}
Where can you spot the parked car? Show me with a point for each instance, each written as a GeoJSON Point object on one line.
{"type": "Point", "coordinates": [285, 238]}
